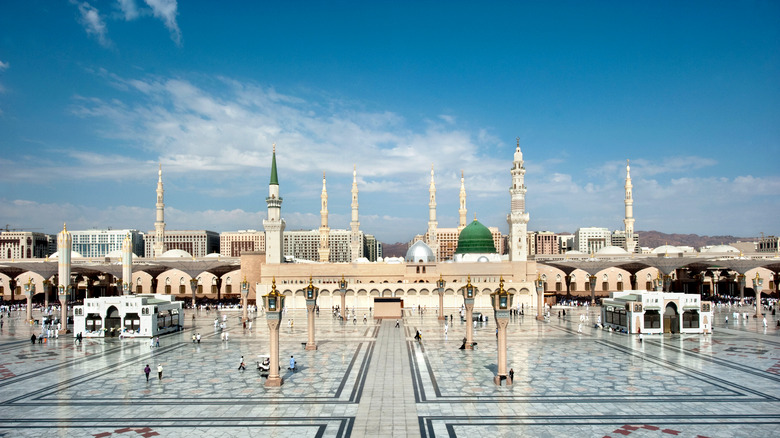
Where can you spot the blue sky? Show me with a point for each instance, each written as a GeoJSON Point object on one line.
{"type": "Point", "coordinates": [93, 94]}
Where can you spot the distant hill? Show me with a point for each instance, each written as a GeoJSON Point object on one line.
{"type": "Point", "coordinates": [397, 249]}
{"type": "Point", "coordinates": [654, 239]}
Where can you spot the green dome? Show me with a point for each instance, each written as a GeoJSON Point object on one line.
{"type": "Point", "coordinates": [476, 239]}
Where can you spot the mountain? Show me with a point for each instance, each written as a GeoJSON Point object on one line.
{"type": "Point", "coordinates": [397, 249]}
{"type": "Point", "coordinates": [654, 239]}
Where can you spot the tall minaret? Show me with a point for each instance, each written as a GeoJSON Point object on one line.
{"type": "Point", "coordinates": [433, 224]}
{"type": "Point", "coordinates": [274, 225]}
{"type": "Point", "coordinates": [355, 244]}
{"type": "Point", "coordinates": [159, 223]}
{"type": "Point", "coordinates": [518, 217]}
{"type": "Point", "coordinates": [628, 222]}
{"type": "Point", "coordinates": [462, 210]}
{"type": "Point", "coordinates": [324, 249]}
{"type": "Point", "coordinates": [127, 265]}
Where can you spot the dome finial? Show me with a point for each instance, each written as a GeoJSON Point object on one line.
{"type": "Point", "coordinates": [518, 142]}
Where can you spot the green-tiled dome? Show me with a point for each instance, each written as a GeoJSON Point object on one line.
{"type": "Point", "coordinates": [476, 239]}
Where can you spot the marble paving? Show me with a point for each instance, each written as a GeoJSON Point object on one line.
{"type": "Point", "coordinates": [373, 379]}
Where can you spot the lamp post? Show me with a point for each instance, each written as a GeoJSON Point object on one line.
{"type": "Point", "coordinates": [193, 289]}
{"type": "Point", "coordinates": [440, 283]}
{"type": "Point", "coordinates": [539, 298]}
{"type": "Point", "coordinates": [29, 291]}
{"type": "Point", "coordinates": [274, 303]}
{"type": "Point", "coordinates": [311, 292]}
{"type": "Point", "coordinates": [468, 299]}
{"type": "Point", "coordinates": [502, 302]}
{"type": "Point", "coordinates": [63, 292]}
{"type": "Point", "coordinates": [343, 293]}
{"type": "Point", "coordinates": [658, 283]}
{"type": "Point", "coordinates": [245, 299]}
{"type": "Point", "coordinates": [758, 285]}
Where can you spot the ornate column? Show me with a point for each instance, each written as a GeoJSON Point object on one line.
{"type": "Point", "coordinates": [468, 299]}
{"type": "Point", "coordinates": [194, 289]}
{"type": "Point", "coordinates": [343, 293]}
{"type": "Point", "coordinates": [274, 303]}
{"type": "Point", "coordinates": [311, 292]}
{"type": "Point", "coordinates": [592, 279]}
{"type": "Point", "coordinates": [502, 302]}
{"type": "Point", "coordinates": [29, 291]}
{"type": "Point", "coordinates": [64, 246]}
{"type": "Point", "coordinates": [245, 299]}
{"type": "Point", "coordinates": [741, 282]}
{"type": "Point", "coordinates": [758, 285]}
{"type": "Point", "coordinates": [539, 298]}
{"type": "Point", "coordinates": [440, 283]}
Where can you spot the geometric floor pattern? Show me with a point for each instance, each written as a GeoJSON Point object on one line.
{"type": "Point", "coordinates": [372, 379]}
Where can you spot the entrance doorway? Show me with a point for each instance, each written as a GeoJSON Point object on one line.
{"type": "Point", "coordinates": [671, 319]}
{"type": "Point", "coordinates": [113, 321]}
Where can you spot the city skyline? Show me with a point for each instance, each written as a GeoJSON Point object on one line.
{"type": "Point", "coordinates": [94, 94]}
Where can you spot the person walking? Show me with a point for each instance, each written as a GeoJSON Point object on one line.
{"type": "Point", "coordinates": [147, 370]}
{"type": "Point", "coordinates": [159, 372]}
{"type": "Point", "coordinates": [511, 374]}
{"type": "Point", "coordinates": [242, 365]}
{"type": "Point", "coordinates": [151, 342]}
{"type": "Point", "coordinates": [157, 341]}
{"type": "Point", "coordinates": [292, 363]}
{"type": "Point", "coordinates": [197, 338]}
{"type": "Point", "coordinates": [396, 323]}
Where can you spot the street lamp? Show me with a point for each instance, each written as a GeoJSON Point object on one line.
{"type": "Point", "coordinates": [343, 292]}
{"type": "Point", "coordinates": [274, 303]}
{"type": "Point", "coordinates": [245, 298]}
{"type": "Point", "coordinates": [468, 299]}
{"type": "Point", "coordinates": [758, 285]}
{"type": "Point", "coordinates": [29, 291]}
{"type": "Point", "coordinates": [502, 302]}
{"type": "Point", "coordinates": [311, 292]}
{"type": "Point", "coordinates": [440, 283]}
{"type": "Point", "coordinates": [539, 297]}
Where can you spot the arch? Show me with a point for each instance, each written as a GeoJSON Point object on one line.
{"type": "Point", "coordinates": [671, 318]}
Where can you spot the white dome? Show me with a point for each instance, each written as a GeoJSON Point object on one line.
{"type": "Point", "coordinates": [611, 250]}
{"type": "Point", "coordinates": [420, 252]}
{"type": "Point", "coordinates": [176, 253]}
{"type": "Point", "coordinates": [73, 255]}
{"type": "Point", "coordinates": [213, 255]}
{"type": "Point", "coordinates": [575, 252]}
{"type": "Point", "coordinates": [666, 249]}
{"type": "Point", "coordinates": [721, 248]}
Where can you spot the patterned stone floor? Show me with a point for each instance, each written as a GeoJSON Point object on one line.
{"type": "Point", "coordinates": [597, 383]}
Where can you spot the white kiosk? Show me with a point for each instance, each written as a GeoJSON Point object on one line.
{"type": "Point", "coordinates": [656, 312]}
{"type": "Point", "coordinates": [144, 315]}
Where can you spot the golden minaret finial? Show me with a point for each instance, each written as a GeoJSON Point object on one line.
{"type": "Point", "coordinates": [274, 145]}
{"type": "Point", "coordinates": [518, 141]}
{"type": "Point", "coordinates": [65, 226]}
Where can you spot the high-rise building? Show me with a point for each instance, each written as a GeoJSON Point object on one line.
{"type": "Point", "coordinates": [543, 242]}
{"type": "Point", "coordinates": [588, 240]}
{"type": "Point", "coordinates": [373, 249]}
{"type": "Point", "coordinates": [233, 243]}
{"type": "Point", "coordinates": [100, 243]}
{"type": "Point", "coordinates": [197, 243]}
{"type": "Point", "coordinates": [23, 245]}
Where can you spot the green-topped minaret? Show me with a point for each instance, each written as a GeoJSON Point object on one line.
{"type": "Point", "coordinates": [274, 225]}
{"type": "Point", "coordinates": [274, 178]}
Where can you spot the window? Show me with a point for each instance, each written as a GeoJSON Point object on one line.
{"type": "Point", "coordinates": [691, 319]}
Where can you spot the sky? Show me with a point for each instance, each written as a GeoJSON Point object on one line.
{"type": "Point", "coordinates": [95, 94]}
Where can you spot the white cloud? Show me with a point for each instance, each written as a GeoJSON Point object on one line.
{"type": "Point", "coordinates": [129, 9]}
{"type": "Point", "coordinates": [4, 66]}
{"type": "Point", "coordinates": [166, 10]}
{"type": "Point", "coordinates": [93, 23]}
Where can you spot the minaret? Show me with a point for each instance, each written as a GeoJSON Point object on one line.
{"type": "Point", "coordinates": [462, 210]}
{"type": "Point", "coordinates": [274, 225]}
{"type": "Point", "coordinates": [518, 217]}
{"type": "Point", "coordinates": [64, 247]}
{"type": "Point", "coordinates": [433, 224]}
{"type": "Point", "coordinates": [355, 244]}
{"type": "Point", "coordinates": [628, 222]}
{"type": "Point", "coordinates": [127, 265]}
{"type": "Point", "coordinates": [324, 249]}
{"type": "Point", "coordinates": [159, 223]}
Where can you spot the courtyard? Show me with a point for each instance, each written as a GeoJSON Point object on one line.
{"type": "Point", "coordinates": [373, 379]}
